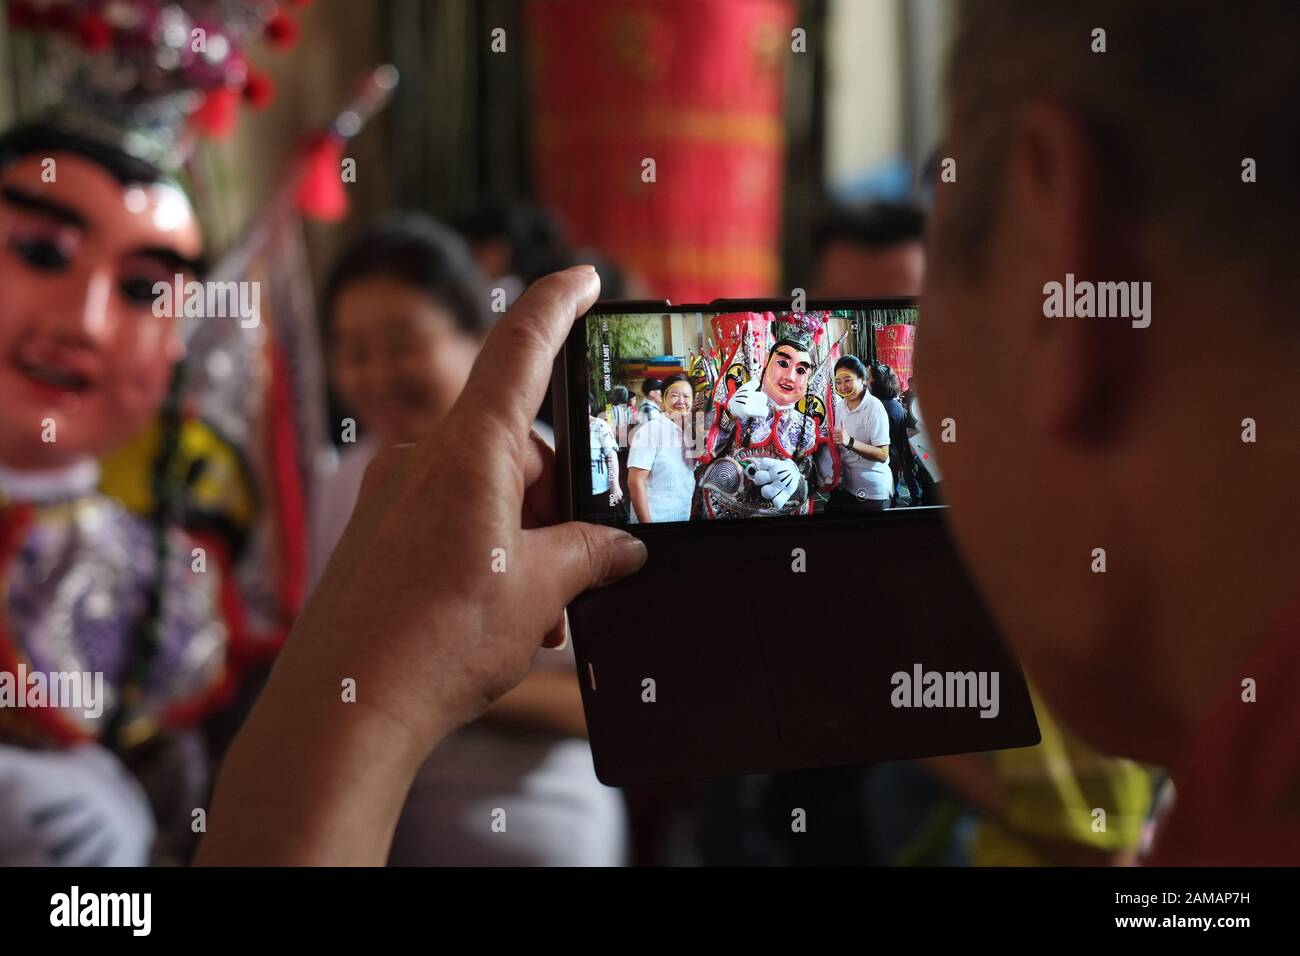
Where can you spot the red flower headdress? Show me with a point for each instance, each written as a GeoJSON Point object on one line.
{"type": "Point", "coordinates": [144, 76]}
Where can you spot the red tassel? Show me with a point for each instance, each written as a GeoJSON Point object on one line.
{"type": "Point", "coordinates": [281, 31]}
{"type": "Point", "coordinates": [259, 90]}
{"type": "Point", "coordinates": [216, 115]}
{"type": "Point", "coordinates": [321, 195]}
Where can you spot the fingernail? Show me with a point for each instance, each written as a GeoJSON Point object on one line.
{"type": "Point", "coordinates": [627, 555]}
{"type": "Point", "coordinates": [564, 641]}
{"type": "Point", "coordinates": [584, 268]}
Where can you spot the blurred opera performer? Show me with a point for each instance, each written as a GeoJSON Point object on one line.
{"type": "Point", "coordinates": [406, 312]}
{"type": "Point", "coordinates": [105, 468]}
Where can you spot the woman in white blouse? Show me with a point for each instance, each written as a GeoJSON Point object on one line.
{"type": "Point", "coordinates": [866, 483]}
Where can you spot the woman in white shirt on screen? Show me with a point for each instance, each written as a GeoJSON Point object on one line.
{"type": "Point", "coordinates": [660, 467]}
{"type": "Point", "coordinates": [405, 318]}
{"type": "Point", "coordinates": [866, 483]}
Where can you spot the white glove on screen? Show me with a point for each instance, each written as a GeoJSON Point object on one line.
{"type": "Point", "coordinates": [748, 401]}
{"type": "Point", "coordinates": [778, 478]}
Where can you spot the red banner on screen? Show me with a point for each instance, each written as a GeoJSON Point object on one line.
{"type": "Point", "coordinates": [894, 344]}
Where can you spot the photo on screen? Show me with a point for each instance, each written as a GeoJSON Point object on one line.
{"type": "Point", "coordinates": [697, 416]}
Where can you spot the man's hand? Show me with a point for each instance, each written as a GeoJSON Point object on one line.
{"type": "Point", "coordinates": [748, 401]}
{"type": "Point", "coordinates": [448, 562]}
{"type": "Point", "coordinates": [449, 576]}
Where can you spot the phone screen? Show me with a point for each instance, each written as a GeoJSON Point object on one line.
{"type": "Point", "coordinates": [701, 416]}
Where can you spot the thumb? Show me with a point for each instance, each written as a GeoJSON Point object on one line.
{"type": "Point", "coordinates": [578, 557]}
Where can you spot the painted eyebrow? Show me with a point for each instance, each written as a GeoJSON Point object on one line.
{"type": "Point", "coordinates": [45, 207]}
{"type": "Point", "coordinates": [172, 259]}
{"type": "Point", "coordinates": [69, 216]}
{"type": "Point", "coordinates": [789, 356]}
{"type": "Point", "coordinates": [66, 214]}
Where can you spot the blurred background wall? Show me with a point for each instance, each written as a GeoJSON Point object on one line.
{"type": "Point", "coordinates": [856, 112]}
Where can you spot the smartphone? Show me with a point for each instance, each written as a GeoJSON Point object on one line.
{"type": "Point", "coordinates": [741, 410]}
{"type": "Point", "coordinates": [801, 576]}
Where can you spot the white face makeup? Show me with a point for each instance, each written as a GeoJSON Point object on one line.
{"type": "Point", "coordinates": [81, 348]}
{"type": "Point", "coordinates": [786, 379]}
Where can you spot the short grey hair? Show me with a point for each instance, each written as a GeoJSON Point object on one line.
{"type": "Point", "coordinates": [1186, 90]}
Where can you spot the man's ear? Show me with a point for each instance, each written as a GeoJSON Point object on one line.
{"type": "Point", "coordinates": [1064, 224]}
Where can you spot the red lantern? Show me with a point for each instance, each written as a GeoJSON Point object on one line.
{"type": "Point", "coordinates": [659, 136]}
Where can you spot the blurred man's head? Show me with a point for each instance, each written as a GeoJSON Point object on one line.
{"type": "Point", "coordinates": [513, 238]}
{"type": "Point", "coordinates": [875, 251]}
{"type": "Point", "coordinates": [1119, 166]}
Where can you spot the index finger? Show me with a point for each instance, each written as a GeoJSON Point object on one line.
{"type": "Point", "coordinates": [511, 375]}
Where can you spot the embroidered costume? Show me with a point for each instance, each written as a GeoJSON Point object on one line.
{"type": "Point", "coordinates": [133, 582]}
{"type": "Point", "coordinates": [79, 574]}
